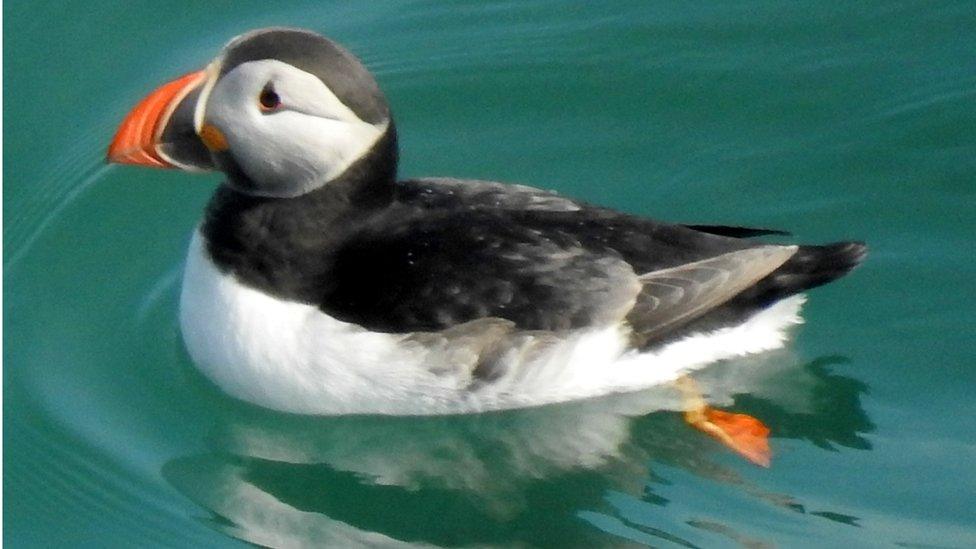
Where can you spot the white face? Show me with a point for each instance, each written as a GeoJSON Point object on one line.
{"type": "Point", "coordinates": [306, 140]}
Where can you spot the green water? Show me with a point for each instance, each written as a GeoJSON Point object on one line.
{"type": "Point", "coordinates": [832, 122]}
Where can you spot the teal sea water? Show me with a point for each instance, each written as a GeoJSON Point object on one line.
{"type": "Point", "coordinates": [830, 121]}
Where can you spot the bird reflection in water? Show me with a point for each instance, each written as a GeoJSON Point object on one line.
{"type": "Point", "coordinates": [540, 477]}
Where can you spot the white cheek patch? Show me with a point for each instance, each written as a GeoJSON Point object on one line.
{"type": "Point", "coordinates": [305, 93]}
{"type": "Point", "coordinates": [312, 139]}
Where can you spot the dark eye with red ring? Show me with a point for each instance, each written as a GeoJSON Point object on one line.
{"type": "Point", "coordinates": [268, 99]}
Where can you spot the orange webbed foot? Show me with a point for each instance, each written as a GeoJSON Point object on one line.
{"type": "Point", "coordinates": [743, 433]}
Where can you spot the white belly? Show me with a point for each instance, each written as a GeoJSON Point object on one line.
{"type": "Point", "coordinates": [292, 357]}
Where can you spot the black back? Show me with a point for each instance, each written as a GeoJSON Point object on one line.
{"type": "Point", "coordinates": [442, 252]}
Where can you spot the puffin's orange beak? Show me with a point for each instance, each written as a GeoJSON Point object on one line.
{"type": "Point", "coordinates": [139, 138]}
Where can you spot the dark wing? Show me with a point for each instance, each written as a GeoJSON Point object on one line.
{"type": "Point", "coordinates": [453, 251]}
{"type": "Point", "coordinates": [411, 272]}
{"type": "Point", "coordinates": [646, 244]}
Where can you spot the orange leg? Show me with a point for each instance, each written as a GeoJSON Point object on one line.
{"type": "Point", "coordinates": [740, 432]}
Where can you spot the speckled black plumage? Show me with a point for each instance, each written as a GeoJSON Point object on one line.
{"type": "Point", "coordinates": [428, 254]}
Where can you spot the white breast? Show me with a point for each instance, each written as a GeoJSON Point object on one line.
{"type": "Point", "coordinates": [292, 357]}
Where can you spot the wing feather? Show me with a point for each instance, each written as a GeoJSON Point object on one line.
{"type": "Point", "coordinates": [674, 296]}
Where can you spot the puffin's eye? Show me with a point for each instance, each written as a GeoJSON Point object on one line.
{"type": "Point", "coordinates": [268, 99]}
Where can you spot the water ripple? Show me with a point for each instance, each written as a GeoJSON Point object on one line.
{"type": "Point", "coordinates": [76, 171]}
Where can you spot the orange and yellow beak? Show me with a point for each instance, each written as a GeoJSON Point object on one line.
{"type": "Point", "coordinates": [149, 135]}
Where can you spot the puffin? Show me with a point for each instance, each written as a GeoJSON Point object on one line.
{"type": "Point", "coordinates": [317, 282]}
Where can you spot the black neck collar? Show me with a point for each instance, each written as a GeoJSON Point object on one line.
{"type": "Point", "coordinates": [281, 244]}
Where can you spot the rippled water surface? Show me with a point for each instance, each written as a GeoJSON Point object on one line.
{"type": "Point", "coordinates": [855, 122]}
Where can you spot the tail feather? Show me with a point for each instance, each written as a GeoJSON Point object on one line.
{"type": "Point", "coordinates": [810, 266]}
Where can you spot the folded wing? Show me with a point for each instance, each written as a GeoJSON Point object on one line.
{"type": "Point", "coordinates": [677, 295]}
